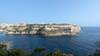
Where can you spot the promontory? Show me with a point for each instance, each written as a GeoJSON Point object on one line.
{"type": "Point", "coordinates": [44, 29]}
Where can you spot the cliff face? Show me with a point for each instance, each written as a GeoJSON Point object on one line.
{"type": "Point", "coordinates": [45, 29]}
{"type": "Point", "coordinates": [58, 30]}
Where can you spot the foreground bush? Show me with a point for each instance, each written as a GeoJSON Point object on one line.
{"type": "Point", "coordinates": [36, 52]}
{"type": "Point", "coordinates": [97, 53]}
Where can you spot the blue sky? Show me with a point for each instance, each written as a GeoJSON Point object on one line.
{"type": "Point", "coordinates": [81, 12]}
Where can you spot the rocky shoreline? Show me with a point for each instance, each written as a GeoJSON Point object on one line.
{"type": "Point", "coordinates": [45, 29]}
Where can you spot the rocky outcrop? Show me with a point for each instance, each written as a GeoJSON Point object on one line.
{"type": "Point", "coordinates": [45, 29]}
{"type": "Point", "coordinates": [58, 30]}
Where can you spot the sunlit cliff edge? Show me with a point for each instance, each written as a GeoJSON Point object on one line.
{"type": "Point", "coordinates": [44, 29]}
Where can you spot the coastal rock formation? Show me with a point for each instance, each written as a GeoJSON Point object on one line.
{"type": "Point", "coordinates": [44, 29]}
{"type": "Point", "coordinates": [61, 29]}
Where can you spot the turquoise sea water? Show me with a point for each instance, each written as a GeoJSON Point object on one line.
{"type": "Point", "coordinates": [81, 45]}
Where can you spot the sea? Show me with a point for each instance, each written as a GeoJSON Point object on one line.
{"type": "Point", "coordinates": [83, 44]}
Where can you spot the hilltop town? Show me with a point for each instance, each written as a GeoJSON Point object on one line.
{"type": "Point", "coordinates": [44, 29]}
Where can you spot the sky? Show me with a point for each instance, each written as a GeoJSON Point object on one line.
{"type": "Point", "coordinates": [81, 12]}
